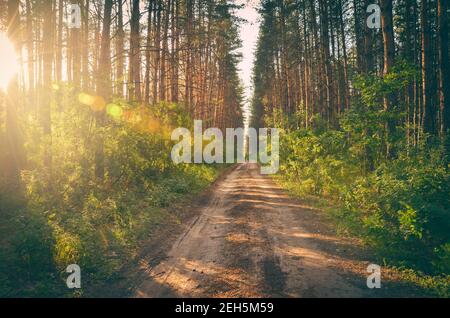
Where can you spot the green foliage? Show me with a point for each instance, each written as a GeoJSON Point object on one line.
{"type": "Point", "coordinates": [320, 161]}
{"type": "Point", "coordinates": [66, 216]}
{"type": "Point", "coordinates": [401, 208]}
{"type": "Point", "coordinates": [400, 205]}
{"type": "Point", "coordinates": [404, 208]}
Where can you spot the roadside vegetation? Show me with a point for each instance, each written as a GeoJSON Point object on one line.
{"type": "Point", "coordinates": [365, 115]}
{"type": "Point", "coordinates": [65, 217]}
{"type": "Point", "coordinates": [88, 103]}
{"type": "Point", "coordinates": [399, 207]}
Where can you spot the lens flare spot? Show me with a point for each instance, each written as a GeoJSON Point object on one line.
{"type": "Point", "coordinates": [86, 99]}
{"type": "Point", "coordinates": [99, 104]}
{"type": "Point", "coordinates": [153, 125]}
{"type": "Point", "coordinates": [114, 111]}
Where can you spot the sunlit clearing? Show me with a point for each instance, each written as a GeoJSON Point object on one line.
{"type": "Point", "coordinates": [8, 61]}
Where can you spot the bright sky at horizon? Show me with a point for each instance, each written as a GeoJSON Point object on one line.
{"type": "Point", "coordinates": [249, 36]}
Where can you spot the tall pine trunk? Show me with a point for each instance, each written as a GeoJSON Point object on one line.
{"type": "Point", "coordinates": [135, 55]}
{"type": "Point", "coordinates": [444, 70]}
{"type": "Point", "coordinates": [103, 87]}
{"type": "Point", "coordinates": [390, 99]}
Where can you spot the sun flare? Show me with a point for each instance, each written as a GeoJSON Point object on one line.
{"type": "Point", "coordinates": [8, 61]}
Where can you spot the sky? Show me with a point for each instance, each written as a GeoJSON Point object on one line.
{"type": "Point", "coordinates": [249, 36]}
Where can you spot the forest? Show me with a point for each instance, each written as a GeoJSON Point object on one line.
{"type": "Point", "coordinates": [85, 162]}
{"type": "Point", "coordinates": [91, 90]}
{"type": "Point", "coordinates": [365, 114]}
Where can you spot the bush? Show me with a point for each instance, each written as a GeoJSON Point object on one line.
{"type": "Point", "coordinates": [400, 204]}
{"type": "Point", "coordinates": [66, 216]}
{"type": "Point", "coordinates": [401, 208]}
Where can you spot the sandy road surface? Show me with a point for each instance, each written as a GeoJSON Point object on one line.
{"type": "Point", "coordinates": [250, 239]}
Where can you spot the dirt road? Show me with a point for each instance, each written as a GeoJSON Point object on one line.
{"type": "Point", "coordinates": [250, 239]}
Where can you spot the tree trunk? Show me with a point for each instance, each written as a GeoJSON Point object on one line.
{"type": "Point", "coordinates": [147, 53]}
{"type": "Point", "coordinates": [75, 53]}
{"type": "Point", "coordinates": [103, 87]}
{"type": "Point", "coordinates": [30, 48]}
{"type": "Point", "coordinates": [135, 54]}
{"type": "Point", "coordinates": [163, 77]}
{"type": "Point", "coordinates": [15, 148]}
{"type": "Point", "coordinates": [119, 50]}
{"type": "Point", "coordinates": [85, 50]}
{"type": "Point", "coordinates": [47, 55]}
{"type": "Point", "coordinates": [325, 40]}
{"type": "Point", "coordinates": [429, 113]}
{"type": "Point", "coordinates": [444, 70]}
{"type": "Point", "coordinates": [389, 59]}
{"type": "Point", "coordinates": [175, 46]}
